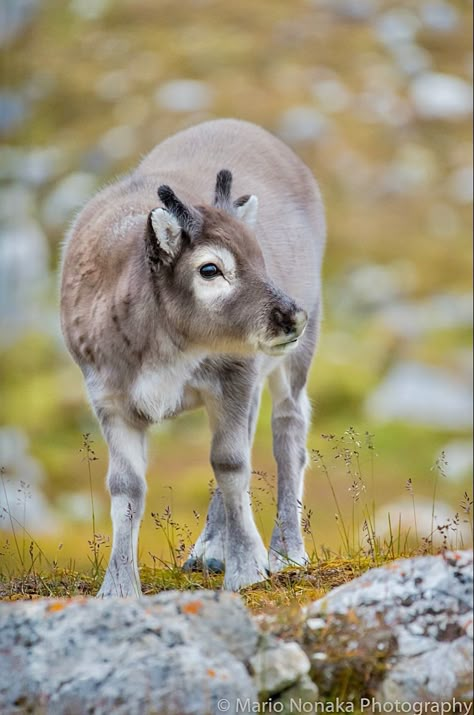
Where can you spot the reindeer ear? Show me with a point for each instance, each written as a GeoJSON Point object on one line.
{"type": "Point", "coordinates": [246, 209]}
{"type": "Point", "coordinates": [164, 237]}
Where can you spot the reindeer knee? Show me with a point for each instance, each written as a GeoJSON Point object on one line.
{"type": "Point", "coordinates": [128, 484]}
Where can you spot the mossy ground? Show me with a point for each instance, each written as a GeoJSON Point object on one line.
{"type": "Point", "coordinates": [291, 588]}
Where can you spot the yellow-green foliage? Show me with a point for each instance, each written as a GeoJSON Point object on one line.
{"type": "Point", "coordinates": [279, 595]}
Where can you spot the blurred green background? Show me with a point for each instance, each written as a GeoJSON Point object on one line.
{"type": "Point", "coordinates": [376, 98]}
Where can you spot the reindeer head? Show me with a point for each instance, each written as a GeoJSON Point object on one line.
{"type": "Point", "coordinates": [210, 276]}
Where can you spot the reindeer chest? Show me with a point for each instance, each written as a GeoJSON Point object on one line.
{"type": "Point", "coordinates": [164, 391]}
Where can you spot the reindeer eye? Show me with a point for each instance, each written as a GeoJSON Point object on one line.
{"type": "Point", "coordinates": [209, 270]}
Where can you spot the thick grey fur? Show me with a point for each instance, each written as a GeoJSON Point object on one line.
{"type": "Point", "coordinates": [150, 344]}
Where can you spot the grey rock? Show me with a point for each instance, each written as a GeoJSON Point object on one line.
{"type": "Point", "coordinates": [184, 95]}
{"type": "Point", "coordinates": [441, 96]}
{"type": "Point", "coordinates": [353, 10]}
{"type": "Point", "coordinates": [397, 26]}
{"type": "Point", "coordinates": [76, 507]}
{"type": "Point", "coordinates": [96, 161]}
{"type": "Point", "coordinates": [113, 86]}
{"type": "Point", "coordinates": [42, 164]}
{"type": "Point", "coordinates": [437, 525]}
{"type": "Point", "coordinates": [15, 17]}
{"type": "Point", "coordinates": [460, 185]}
{"type": "Point", "coordinates": [119, 142]}
{"type": "Point", "coordinates": [173, 654]}
{"type": "Point", "coordinates": [443, 221]}
{"type": "Point", "coordinates": [439, 16]}
{"type": "Point", "coordinates": [411, 58]}
{"type": "Point", "coordinates": [66, 197]}
{"type": "Point", "coordinates": [24, 272]}
{"type": "Point", "coordinates": [463, 363]}
{"type": "Point", "coordinates": [35, 167]}
{"type": "Point", "coordinates": [331, 94]}
{"type": "Point", "coordinates": [403, 631]}
{"type": "Point", "coordinates": [13, 110]}
{"type": "Point", "coordinates": [372, 286]}
{"type": "Point", "coordinates": [302, 124]}
{"type": "Point", "coordinates": [22, 500]}
{"type": "Point", "coordinates": [353, 171]}
{"type": "Point", "coordinates": [422, 608]}
{"type": "Point", "coordinates": [17, 202]}
{"type": "Point", "coordinates": [418, 393]}
{"type": "Point", "coordinates": [411, 319]}
{"type": "Point", "coordinates": [10, 158]}
{"type": "Point", "coordinates": [90, 9]}
{"type": "Point", "coordinates": [383, 105]}
{"type": "Point", "coordinates": [414, 169]}
{"type": "Point", "coordinates": [301, 697]}
{"type": "Point", "coordinates": [459, 459]}
{"type": "Point", "coordinates": [275, 669]}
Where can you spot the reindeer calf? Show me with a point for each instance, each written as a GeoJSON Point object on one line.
{"type": "Point", "coordinates": [168, 304]}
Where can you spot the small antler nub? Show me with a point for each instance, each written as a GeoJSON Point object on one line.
{"type": "Point", "coordinates": [223, 189]}
{"type": "Point", "coordinates": [185, 216]}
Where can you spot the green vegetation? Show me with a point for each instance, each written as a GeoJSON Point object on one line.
{"type": "Point", "coordinates": [29, 570]}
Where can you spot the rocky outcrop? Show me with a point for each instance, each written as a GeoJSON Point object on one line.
{"type": "Point", "coordinates": [172, 654]}
{"type": "Point", "coordinates": [400, 632]}
{"type": "Point", "coordinates": [278, 667]}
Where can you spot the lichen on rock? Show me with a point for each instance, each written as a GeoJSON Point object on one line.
{"type": "Point", "coordinates": [399, 632]}
{"type": "Point", "coordinates": [402, 631]}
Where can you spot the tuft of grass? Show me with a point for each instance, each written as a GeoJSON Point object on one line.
{"type": "Point", "coordinates": [302, 585]}
{"type": "Point", "coordinates": [282, 590]}
{"type": "Point", "coordinates": [27, 573]}
{"type": "Point", "coordinates": [95, 542]}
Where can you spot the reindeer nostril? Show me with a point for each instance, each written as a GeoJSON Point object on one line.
{"type": "Point", "coordinates": [277, 316]}
{"type": "Point", "coordinates": [289, 321]}
{"type": "Point", "coordinates": [284, 321]}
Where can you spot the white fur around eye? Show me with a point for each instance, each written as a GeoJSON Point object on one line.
{"type": "Point", "coordinates": [219, 255]}
{"type": "Point", "coordinates": [214, 290]}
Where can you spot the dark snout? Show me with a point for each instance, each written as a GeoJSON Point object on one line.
{"type": "Point", "coordinates": [287, 322]}
{"type": "Point", "coordinates": [290, 322]}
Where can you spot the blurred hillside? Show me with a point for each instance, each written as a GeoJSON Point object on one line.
{"type": "Point", "coordinates": [376, 98]}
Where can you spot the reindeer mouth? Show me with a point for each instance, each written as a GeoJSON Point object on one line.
{"type": "Point", "coordinates": [284, 344]}
{"type": "Point", "coordinates": [279, 348]}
